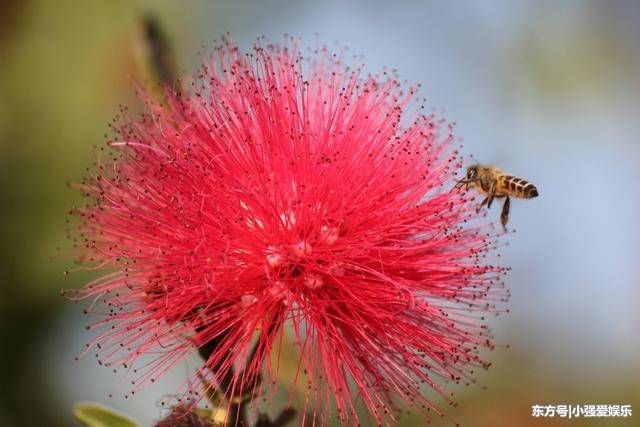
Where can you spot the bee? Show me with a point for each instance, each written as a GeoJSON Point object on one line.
{"type": "Point", "coordinates": [495, 184]}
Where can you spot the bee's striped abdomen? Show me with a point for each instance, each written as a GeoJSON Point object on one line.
{"type": "Point", "coordinates": [517, 187]}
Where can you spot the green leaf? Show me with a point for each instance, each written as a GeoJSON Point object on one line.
{"type": "Point", "coordinates": [92, 414]}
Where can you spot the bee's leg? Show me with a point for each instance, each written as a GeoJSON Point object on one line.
{"type": "Point", "coordinates": [484, 202]}
{"type": "Point", "coordinates": [504, 216]}
{"type": "Point", "coordinates": [462, 182]}
{"type": "Point", "coordinates": [492, 192]}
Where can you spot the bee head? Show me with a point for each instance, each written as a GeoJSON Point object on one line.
{"type": "Point", "coordinates": [472, 176]}
{"type": "Point", "coordinates": [472, 172]}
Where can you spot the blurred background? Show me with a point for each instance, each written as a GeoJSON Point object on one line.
{"type": "Point", "coordinates": [548, 91]}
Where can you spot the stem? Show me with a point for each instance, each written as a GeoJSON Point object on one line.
{"type": "Point", "coordinates": [237, 411]}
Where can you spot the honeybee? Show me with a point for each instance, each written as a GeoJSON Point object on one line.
{"type": "Point", "coordinates": [495, 184]}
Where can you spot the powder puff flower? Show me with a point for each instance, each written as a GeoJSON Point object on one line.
{"type": "Point", "coordinates": [289, 196]}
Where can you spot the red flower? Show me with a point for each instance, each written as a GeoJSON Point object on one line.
{"type": "Point", "coordinates": [288, 192]}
